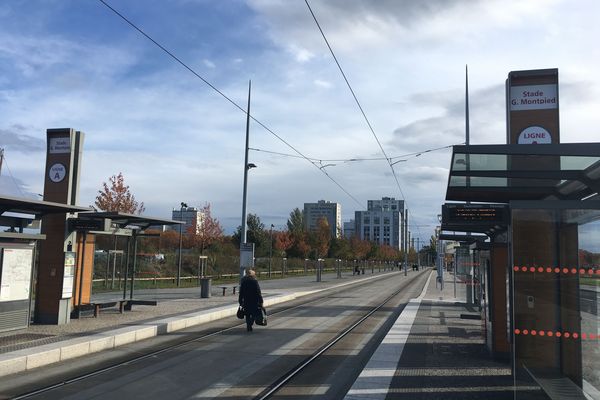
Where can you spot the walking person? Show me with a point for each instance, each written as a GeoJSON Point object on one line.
{"type": "Point", "coordinates": [250, 297]}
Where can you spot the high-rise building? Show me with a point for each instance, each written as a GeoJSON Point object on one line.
{"type": "Point", "coordinates": [331, 211]}
{"type": "Point", "coordinates": [349, 229]}
{"type": "Point", "coordinates": [382, 223]}
{"type": "Point", "coordinates": [192, 217]}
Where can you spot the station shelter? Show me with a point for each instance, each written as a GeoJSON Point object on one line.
{"type": "Point", "coordinates": [89, 224]}
{"type": "Point", "coordinates": [19, 221]}
{"type": "Point", "coordinates": [539, 271]}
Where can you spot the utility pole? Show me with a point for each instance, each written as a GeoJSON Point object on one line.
{"type": "Point", "coordinates": [1, 159]}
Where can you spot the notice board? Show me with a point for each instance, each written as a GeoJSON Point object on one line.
{"type": "Point", "coordinates": [15, 280]}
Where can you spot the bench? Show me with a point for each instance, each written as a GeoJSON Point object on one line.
{"type": "Point", "coordinates": [224, 288]}
{"type": "Point", "coordinates": [556, 386]}
{"type": "Point", "coordinates": [124, 305]}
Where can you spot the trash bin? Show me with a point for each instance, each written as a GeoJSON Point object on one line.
{"type": "Point", "coordinates": [205, 287]}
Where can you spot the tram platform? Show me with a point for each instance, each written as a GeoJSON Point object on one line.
{"type": "Point", "coordinates": [176, 309]}
{"type": "Point", "coordinates": [436, 350]}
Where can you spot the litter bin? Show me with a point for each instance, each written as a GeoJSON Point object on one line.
{"type": "Point", "coordinates": [205, 286]}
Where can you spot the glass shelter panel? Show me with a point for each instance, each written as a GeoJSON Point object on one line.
{"type": "Point", "coordinates": [555, 289]}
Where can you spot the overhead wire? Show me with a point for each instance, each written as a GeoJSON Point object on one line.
{"type": "Point", "coordinates": [356, 99]}
{"type": "Point", "coordinates": [402, 157]}
{"type": "Point", "coordinates": [183, 64]}
{"type": "Point", "coordinates": [12, 176]}
{"type": "Point", "coordinates": [389, 160]}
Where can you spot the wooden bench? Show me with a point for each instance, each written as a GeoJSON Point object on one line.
{"type": "Point", "coordinates": [224, 288]}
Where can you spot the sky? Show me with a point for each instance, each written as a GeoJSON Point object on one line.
{"type": "Point", "coordinates": [75, 64]}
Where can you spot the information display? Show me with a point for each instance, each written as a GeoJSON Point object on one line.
{"type": "Point", "coordinates": [464, 214]}
{"type": "Point", "coordinates": [69, 275]}
{"type": "Point", "coordinates": [15, 280]}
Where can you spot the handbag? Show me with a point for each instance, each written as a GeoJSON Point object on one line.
{"type": "Point", "coordinates": [261, 318]}
{"type": "Point", "coordinates": [240, 312]}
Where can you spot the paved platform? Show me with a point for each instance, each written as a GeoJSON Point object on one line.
{"type": "Point", "coordinates": [177, 309]}
{"type": "Point", "coordinates": [435, 350]}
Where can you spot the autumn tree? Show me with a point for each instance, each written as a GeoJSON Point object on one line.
{"type": "Point", "coordinates": [283, 241]}
{"type": "Point", "coordinates": [116, 196]}
{"type": "Point", "coordinates": [209, 231]}
{"type": "Point", "coordinates": [320, 238]}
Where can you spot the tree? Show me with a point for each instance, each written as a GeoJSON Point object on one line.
{"type": "Point", "coordinates": [283, 241]}
{"type": "Point", "coordinates": [320, 239]}
{"type": "Point", "coordinates": [117, 197]}
{"type": "Point", "coordinates": [256, 234]}
{"type": "Point", "coordinates": [360, 248]}
{"type": "Point", "coordinates": [209, 232]}
{"type": "Point", "coordinates": [295, 223]}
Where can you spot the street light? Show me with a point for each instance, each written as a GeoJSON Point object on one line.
{"type": "Point", "coordinates": [270, 248]}
{"type": "Point", "coordinates": [183, 205]}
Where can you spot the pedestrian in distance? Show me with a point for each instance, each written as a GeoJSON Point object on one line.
{"type": "Point", "coordinates": [250, 298]}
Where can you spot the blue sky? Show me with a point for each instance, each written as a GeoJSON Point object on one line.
{"type": "Point", "coordinates": [75, 64]}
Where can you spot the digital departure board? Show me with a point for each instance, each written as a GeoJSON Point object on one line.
{"type": "Point", "coordinates": [466, 214]}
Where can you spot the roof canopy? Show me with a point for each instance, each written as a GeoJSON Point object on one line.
{"type": "Point", "coordinates": [123, 220]}
{"type": "Point", "coordinates": [501, 173]}
{"type": "Point", "coordinates": [35, 207]}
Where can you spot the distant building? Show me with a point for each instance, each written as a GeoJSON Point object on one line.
{"type": "Point", "coordinates": [331, 211]}
{"type": "Point", "coordinates": [382, 223]}
{"type": "Point", "coordinates": [349, 229]}
{"type": "Point", "coordinates": [192, 217]}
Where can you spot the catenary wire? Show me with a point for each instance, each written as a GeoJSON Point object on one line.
{"type": "Point", "coordinates": [353, 159]}
{"type": "Point", "coordinates": [12, 176]}
{"type": "Point", "coordinates": [183, 64]}
{"type": "Point", "coordinates": [356, 100]}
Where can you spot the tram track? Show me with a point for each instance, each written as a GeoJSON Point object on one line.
{"type": "Point", "coordinates": [286, 378]}
{"type": "Point", "coordinates": [279, 310]}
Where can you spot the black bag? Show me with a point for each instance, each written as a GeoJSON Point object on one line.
{"type": "Point", "coordinates": [240, 312]}
{"type": "Point", "coordinates": [261, 317]}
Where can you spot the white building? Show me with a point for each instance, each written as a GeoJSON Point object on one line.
{"type": "Point", "coordinates": [192, 217]}
{"type": "Point", "coordinates": [382, 223]}
{"type": "Point", "coordinates": [331, 211]}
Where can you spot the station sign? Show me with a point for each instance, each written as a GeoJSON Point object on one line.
{"type": "Point", "coordinates": [86, 224]}
{"type": "Point", "coordinates": [532, 105]}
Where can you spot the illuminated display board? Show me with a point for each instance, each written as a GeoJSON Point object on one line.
{"type": "Point", "coordinates": [475, 214]}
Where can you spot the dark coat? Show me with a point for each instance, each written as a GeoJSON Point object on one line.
{"type": "Point", "coordinates": [250, 296]}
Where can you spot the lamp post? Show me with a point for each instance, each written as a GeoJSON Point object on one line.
{"type": "Point", "coordinates": [270, 248]}
{"type": "Point", "coordinates": [247, 166]}
{"type": "Point", "coordinates": [183, 205]}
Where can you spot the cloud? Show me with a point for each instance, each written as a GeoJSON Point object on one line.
{"type": "Point", "coordinates": [322, 83]}
{"type": "Point", "coordinates": [208, 63]}
{"type": "Point", "coordinates": [301, 54]}
{"type": "Point", "coordinates": [13, 139]}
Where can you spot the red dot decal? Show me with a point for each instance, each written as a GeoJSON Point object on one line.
{"type": "Point", "coordinates": [533, 332]}
{"type": "Point", "coordinates": [542, 333]}
{"type": "Point", "coordinates": [558, 334]}
{"type": "Point", "coordinates": [582, 271]}
{"type": "Point", "coordinates": [592, 336]}
{"type": "Point", "coordinates": [524, 269]}
{"type": "Point", "coordinates": [550, 333]}
{"type": "Point", "coordinates": [565, 270]}
{"type": "Point", "coordinates": [516, 269]}
{"type": "Point", "coordinates": [584, 335]}
{"type": "Point", "coordinates": [598, 272]}
{"type": "Point", "coordinates": [575, 335]}
{"type": "Point", "coordinates": [531, 269]}
{"type": "Point", "coordinates": [591, 271]}
{"type": "Point", "coordinates": [567, 335]}
{"type": "Point", "coordinates": [573, 270]}
{"type": "Point", "coordinates": [540, 269]}
{"type": "Point", "coordinates": [548, 269]}
{"type": "Point", "coordinates": [525, 332]}
{"type": "Point", "coordinates": [517, 331]}
{"type": "Point", "coordinates": [557, 270]}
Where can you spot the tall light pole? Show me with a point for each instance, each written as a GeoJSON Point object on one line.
{"type": "Point", "coordinates": [183, 205]}
{"type": "Point", "coordinates": [247, 166]}
{"type": "Point", "coordinates": [270, 248]}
